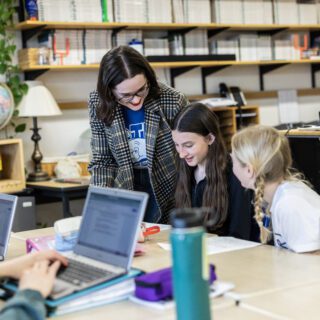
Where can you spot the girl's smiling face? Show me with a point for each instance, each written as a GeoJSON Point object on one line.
{"type": "Point", "coordinates": [192, 147]}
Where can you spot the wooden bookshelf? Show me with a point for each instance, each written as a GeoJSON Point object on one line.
{"type": "Point", "coordinates": [273, 94]}
{"type": "Point", "coordinates": [12, 175]}
{"type": "Point", "coordinates": [202, 64]}
{"type": "Point", "coordinates": [27, 25]}
{"type": "Point", "coordinates": [248, 94]}
{"type": "Point", "coordinates": [230, 122]}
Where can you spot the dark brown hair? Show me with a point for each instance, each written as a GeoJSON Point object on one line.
{"type": "Point", "coordinates": [117, 65]}
{"type": "Point", "coordinates": [197, 118]}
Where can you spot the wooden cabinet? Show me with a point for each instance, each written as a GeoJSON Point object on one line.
{"type": "Point", "coordinates": [12, 173]}
{"type": "Point", "coordinates": [232, 119]}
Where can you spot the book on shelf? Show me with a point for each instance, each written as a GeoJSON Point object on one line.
{"type": "Point", "coordinates": [286, 12]}
{"type": "Point", "coordinates": [230, 11]}
{"type": "Point", "coordinates": [257, 11]}
{"type": "Point", "coordinates": [196, 42]}
{"type": "Point", "coordinates": [196, 11]}
{"type": "Point", "coordinates": [159, 11]}
{"type": "Point", "coordinates": [307, 10]}
{"type": "Point", "coordinates": [107, 10]}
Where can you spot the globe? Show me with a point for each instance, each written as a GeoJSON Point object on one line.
{"type": "Point", "coordinates": [6, 105]}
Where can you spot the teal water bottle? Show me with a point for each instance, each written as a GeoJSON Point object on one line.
{"type": "Point", "coordinates": [190, 269]}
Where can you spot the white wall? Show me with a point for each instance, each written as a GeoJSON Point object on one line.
{"type": "Point", "coordinates": [61, 135]}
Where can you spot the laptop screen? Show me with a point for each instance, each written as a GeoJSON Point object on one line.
{"type": "Point", "coordinates": [109, 225]}
{"type": "Point", "coordinates": [7, 210]}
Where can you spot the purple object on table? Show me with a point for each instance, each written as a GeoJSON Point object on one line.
{"type": "Point", "coordinates": [155, 286]}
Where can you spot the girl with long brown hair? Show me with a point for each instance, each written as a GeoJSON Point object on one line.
{"type": "Point", "coordinates": [205, 178]}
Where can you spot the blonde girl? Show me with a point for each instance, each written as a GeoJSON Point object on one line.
{"type": "Point", "coordinates": [262, 162]}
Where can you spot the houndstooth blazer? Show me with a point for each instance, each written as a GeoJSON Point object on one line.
{"type": "Point", "coordinates": [111, 164]}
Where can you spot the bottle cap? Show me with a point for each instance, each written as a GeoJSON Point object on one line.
{"type": "Point", "coordinates": [187, 218]}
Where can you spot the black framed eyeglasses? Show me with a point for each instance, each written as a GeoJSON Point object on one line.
{"type": "Point", "coordinates": [142, 93]}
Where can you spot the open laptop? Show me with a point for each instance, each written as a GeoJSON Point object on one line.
{"type": "Point", "coordinates": [8, 205]}
{"type": "Point", "coordinates": [108, 233]}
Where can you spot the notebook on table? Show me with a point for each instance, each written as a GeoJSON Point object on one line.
{"type": "Point", "coordinates": [108, 233]}
{"type": "Point", "coordinates": [8, 206]}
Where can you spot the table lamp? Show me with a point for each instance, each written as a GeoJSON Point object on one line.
{"type": "Point", "coordinates": [38, 102]}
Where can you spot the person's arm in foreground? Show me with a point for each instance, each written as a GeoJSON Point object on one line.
{"type": "Point", "coordinates": [36, 273]}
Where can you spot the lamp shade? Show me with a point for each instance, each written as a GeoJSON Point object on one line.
{"type": "Point", "coordinates": [38, 102]}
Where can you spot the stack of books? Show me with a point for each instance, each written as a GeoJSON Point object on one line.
{"type": "Point", "coordinates": [196, 42]}
{"type": "Point", "coordinates": [230, 11]}
{"type": "Point", "coordinates": [130, 11]}
{"type": "Point", "coordinates": [156, 47]}
{"type": "Point", "coordinates": [307, 11]}
{"type": "Point", "coordinates": [159, 11]}
{"type": "Point", "coordinates": [257, 11]}
{"type": "Point", "coordinates": [286, 12]}
{"type": "Point", "coordinates": [196, 11]}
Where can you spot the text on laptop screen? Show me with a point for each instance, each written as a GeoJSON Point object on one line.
{"type": "Point", "coordinates": [110, 224]}
{"type": "Point", "coordinates": [5, 216]}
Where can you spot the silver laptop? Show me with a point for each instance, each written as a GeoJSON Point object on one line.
{"type": "Point", "coordinates": [107, 238]}
{"type": "Point", "coordinates": [8, 205]}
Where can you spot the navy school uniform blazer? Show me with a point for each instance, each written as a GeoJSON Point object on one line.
{"type": "Point", "coordinates": [240, 222]}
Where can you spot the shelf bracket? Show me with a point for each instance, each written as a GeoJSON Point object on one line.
{"type": "Point", "coordinates": [263, 69]}
{"type": "Point", "coordinates": [206, 72]}
{"type": "Point", "coordinates": [175, 72]}
{"type": "Point", "coordinates": [315, 67]}
{"type": "Point", "coordinates": [213, 32]}
{"type": "Point", "coordinates": [29, 33]}
{"type": "Point", "coordinates": [271, 32]}
{"type": "Point", "coordinates": [180, 31]}
{"type": "Point", "coordinates": [31, 75]}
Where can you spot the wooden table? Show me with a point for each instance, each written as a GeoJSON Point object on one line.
{"type": "Point", "coordinates": [300, 302]}
{"type": "Point", "coordinates": [263, 270]}
{"type": "Point", "coordinates": [59, 191]}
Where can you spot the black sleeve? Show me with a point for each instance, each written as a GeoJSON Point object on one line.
{"type": "Point", "coordinates": [240, 223]}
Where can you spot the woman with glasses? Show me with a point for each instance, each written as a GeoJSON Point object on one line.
{"type": "Point", "coordinates": [131, 115]}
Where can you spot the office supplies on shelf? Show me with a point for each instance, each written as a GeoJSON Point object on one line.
{"type": "Point", "coordinates": [218, 102]}
{"type": "Point", "coordinates": [233, 93]}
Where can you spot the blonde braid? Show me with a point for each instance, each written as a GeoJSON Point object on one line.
{"type": "Point", "coordinates": [265, 233]}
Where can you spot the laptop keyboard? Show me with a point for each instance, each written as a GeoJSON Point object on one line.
{"type": "Point", "coordinates": [77, 273]}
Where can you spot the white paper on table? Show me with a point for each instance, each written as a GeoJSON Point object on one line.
{"type": "Point", "coordinates": [161, 226]}
{"type": "Point", "coordinates": [220, 244]}
{"type": "Point", "coordinates": [288, 106]}
{"type": "Point", "coordinates": [217, 289]}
